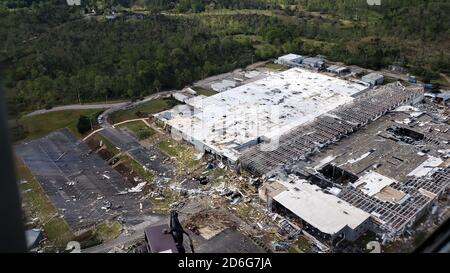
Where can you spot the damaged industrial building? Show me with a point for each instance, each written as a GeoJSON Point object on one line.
{"type": "Point", "coordinates": [391, 164]}
{"type": "Point", "coordinates": [228, 123]}
{"type": "Point", "coordinates": [338, 158]}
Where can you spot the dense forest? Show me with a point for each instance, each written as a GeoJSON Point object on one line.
{"type": "Point", "coordinates": [52, 54]}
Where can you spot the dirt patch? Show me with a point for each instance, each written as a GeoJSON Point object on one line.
{"type": "Point", "coordinates": [105, 154]}
{"type": "Point", "coordinates": [140, 114]}
{"type": "Point", "coordinates": [208, 224]}
{"type": "Point", "coordinates": [93, 143]}
{"type": "Point", "coordinates": [209, 232]}
{"type": "Point", "coordinates": [127, 173]}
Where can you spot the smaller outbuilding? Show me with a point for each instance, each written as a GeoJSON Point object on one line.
{"type": "Point", "coordinates": [338, 70]}
{"type": "Point", "coordinates": [373, 79]}
{"type": "Point", "coordinates": [291, 60]}
{"type": "Point", "coordinates": [443, 98]}
{"type": "Point", "coordinates": [314, 62]}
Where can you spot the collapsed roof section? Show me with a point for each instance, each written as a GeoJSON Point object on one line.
{"type": "Point", "coordinates": [328, 128]}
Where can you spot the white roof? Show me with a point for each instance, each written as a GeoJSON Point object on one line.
{"type": "Point", "coordinates": [372, 76]}
{"type": "Point", "coordinates": [194, 100]}
{"type": "Point", "coordinates": [180, 97]}
{"type": "Point", "coordinates": [326, 212]}
{"type": "Point", "coordinates": [312, 60]}
{"type": "Point", "coordinates": [252, 74]}
{"type": "Point", "coordinates": [266, 108]}
{"type": "Point", "coordinates": [223, 85]}
{"type": "Point", "coordinates": [427, 167]}
{"type": "Point", "coordinates": [290, 57]}
{"type": "Point", "coordinates": [337, 68]}
{"type": "Point", "coordinates": [372, 183]}
{"type": "Point", "coordinates": [179, 110]}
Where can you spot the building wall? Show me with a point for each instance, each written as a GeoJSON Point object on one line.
{"type": "Point", "coordinates": [372, 80]}
{"type": "Point", "coordinates": [287, 63]}
{"type": "Point", "coordinates": [353, 234]}
{"type": "Point", "coordinates": [349, 233]}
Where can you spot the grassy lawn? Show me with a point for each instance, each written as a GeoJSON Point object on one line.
{"type": "Point", "coordinates": [161, 204]}
{"type": "Point", "coordinates": [38, 205]}
{"type": "Point", "coordinates": [150, 107]}
{"type": "Point", "coordinates": [138, 168]}
{"type": "Point", "coordinates": [247, 212]}
{"type": "Point", "coordinates": [41, 125]}
{"type": "Point", "coordinates": [203, 91]}
{"type": "Point", "coordinates": [141, 130]}
{"type": "Point", "coordinates": [107, 231]}
{"type": "Point", "coordinates": [275, 66]}
{"type": "Point", "coordinates": [301, 245]}
{"type": "Point", "coordinates": [182, 153]}
{"type": "Point", "coordinates": [100, 233]}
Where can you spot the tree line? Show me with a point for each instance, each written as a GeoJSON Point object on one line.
{"type": "Point", "coordinates": [53, 54]}
{"type": "Point", "coordinates": [90, 61]}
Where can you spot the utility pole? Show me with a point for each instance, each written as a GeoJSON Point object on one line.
{"type": "Point", "coordinates": [90, 120]}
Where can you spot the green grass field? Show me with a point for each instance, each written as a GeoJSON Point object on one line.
{"type": "Point", "coordinates": [275, 66]}
{"type": "Point", "coordinates": [162, 204]}
{"type": "Point", "coordinates": [107, 231]}
{"type": "Point", "coordinates": [41, 125]}
{"type": "Point", "coordinates": [302, 245]}
{"type": "Point", "coordinates": [141, 130]}
{"type": "Point", "coordinates": [150, 107]}
{"type": "Point", "coordinates": [203, 91]}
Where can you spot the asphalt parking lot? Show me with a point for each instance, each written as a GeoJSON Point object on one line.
{"type": "Point", "coordinates": [228, 241]}
{"type": "Point", "coordinates": [82, 186]}
{"type": "Point", "coordinates": [152, 158]}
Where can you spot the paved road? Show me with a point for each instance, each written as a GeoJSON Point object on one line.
{"type": "Point", "coordinates": [76, 107]}
{"type": "Point", "coordinates": [113, 106]}
{"type": "Point", "coordinates": [129, 105]}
